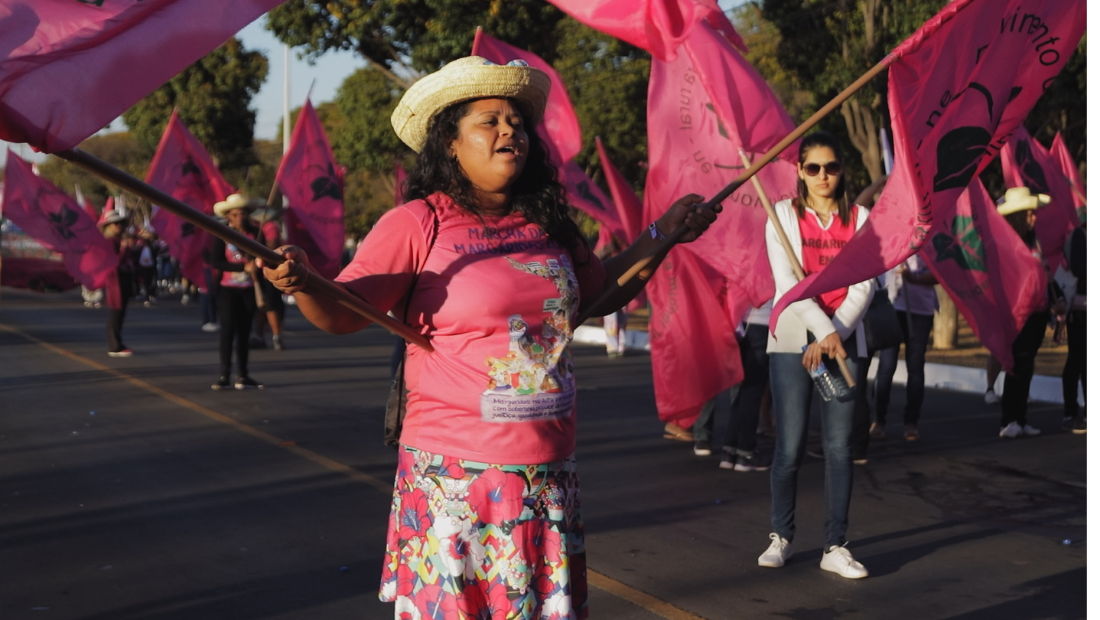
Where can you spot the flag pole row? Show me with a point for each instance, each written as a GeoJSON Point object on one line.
{"type": "Point", "coordinates": [248, 245]}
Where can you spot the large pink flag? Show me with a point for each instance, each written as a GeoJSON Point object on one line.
{"type": "Point", "coordinates": [54, 219]}
{"type": "Point", "coordinates": [1026, 163]}
{"type": "Point", "coordinates": [694, 146]}
{"type": "Point", "coordinates": [1069, 172]}
{"type": "Point", "coordinates": [183, 169]}
{"type": "Point", "coordinates": [627, 205]}
{"type": "Point", "coordinates": [986, 269]}
{"type": "Point", "coordinates": [957, 89]}
{"type": "Point", "coordinates": [315, 211]}
{"type": "Point", "coordinates": [657, 26]}
{"type": "Point", "coordinates": [560, 132]}
{"type": "Point", "coordinates": [69, 68]}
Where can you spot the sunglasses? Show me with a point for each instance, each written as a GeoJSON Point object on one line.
{"type": "Point", "coordinates": [832, 169]}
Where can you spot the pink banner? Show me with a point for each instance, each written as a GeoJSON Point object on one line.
{"type": "Point", "coordinates": [629, 208]}
{"type": "Point", "coordinates": [52, 218]}
{"type": "Point", "coordinates": [1070, 173]}
{"type": "Point", "coordinates": [986, 269]}
{"type": "Point", "coordinates": [694, 148]}
{"type": "Point", "coordinates": [315, 211]}
{"type": "Point", "coordinates": [70, 68]}
{"type": "Point", "coordinates": [957, 90]}
{"type": "Point", "coordinates": [657, 26]}
{"type": "Point", "coordinates": [183, 169]}
{"type": "Point", "coordinates": [1026, 163]}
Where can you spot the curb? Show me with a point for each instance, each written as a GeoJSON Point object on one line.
{"type": "Point", "coordinates": [1044, 388]}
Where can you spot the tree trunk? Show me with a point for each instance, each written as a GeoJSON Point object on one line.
{"type": "Point", "coordinates": [945, 323]}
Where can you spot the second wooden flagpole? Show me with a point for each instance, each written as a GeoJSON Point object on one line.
{"type": "Point", "coordinates": [247, 244]}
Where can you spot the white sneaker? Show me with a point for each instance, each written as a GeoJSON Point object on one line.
{"type": "Point", "coordinates": [991, 397]}
{"type": "Point", "coordinates": [210, 327]}
{"type": "Point", "coordinates": [777, 553]}
{"type": "Point", "coordinates": [1030, 431]}
{"type": "Point", "coordinates": [1012, 431]}
{"type": "Point", "coordinates": [840, 561]}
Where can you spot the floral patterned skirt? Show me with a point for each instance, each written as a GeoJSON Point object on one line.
{"type": "Point", "coordinates": [476, 541]}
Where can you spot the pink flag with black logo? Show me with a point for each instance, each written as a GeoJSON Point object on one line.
{"type": "Point", "coordinates": [54, 219]}
{"type": "Point", "coordinates": [315, 200]}
{"type": "Point", "coordinates": [629, 208]}
{"type": "Point", "coordinates": [1027, 164]}
{"type": "Point", "coordinates": [657, 26]}
{"type": "Point", "coordinates": [958, 88]}
{"type": "Point", "coordinates": [1068, 167]}
{"type": "Point", "coordinates": [68, 68]}
{"type": "Point", "coordinates": [695, 143]}
{"type": "Point", "coordinates": [184, 170]}
{"type": "Point", "coordinates": [993, 278]}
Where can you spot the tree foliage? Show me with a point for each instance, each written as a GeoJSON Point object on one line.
{"type": "Point", "coordinates": [213, 97]}
{"type": "Point", "coordinates": [120, 149]}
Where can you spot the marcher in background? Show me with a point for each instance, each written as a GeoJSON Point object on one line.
{"type": "Point", "coordinates": [486, 504]}
{"type": "Point", "coordinates": [118, 291]}
{"type": "Point", "coordinates": [614, 324]}
{"type": "Point", "coordinates": [145, 248]}
{"type": "Point", "coordinates": [1074, 371]}
{"type": "Point", "coordinates": [236, 297]}
{"type": "Point", "coordinates": [992, 371]}
{"type": "Point", "coordinates": [818, 223]}
{"type": "Point", "coordinates": [1018, 207]}
{"type": "Point", "coordinates": [913, 291]}
{"type": "Point", "coordinates": [739, 451]}
{"type": "Point", "coordinates": [273, 310]}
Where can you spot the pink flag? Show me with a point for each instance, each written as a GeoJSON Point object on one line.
{"type": "Point", "coordinates": [315, 211]}
{"type": "Point", "coordinates": [986, 269]}
{"type": "Point", "coordinates": [182, 169]}
{"type": "Point", "coordinates": [657, 26]}
{"type": "Point", "coordinates": [559, 128]}
{"type": "Point", "coordinates": [957, 89]}
{"type": "Point", "coordinates": [585, 195]}
{"type": "Point", "coordinates": [629, 208]}
{"type": "Point", "coordinates": [1027, 164]}
{"type": "Point", "coordinates": [694, 147]}
{"type": "Point", "coordinates": [54, 219]}
{"type": "Point", "coordinates": [1069, 172]}
{"type": "Point", "coordinates": [399, 177]}
{"type": "Point", "coordinates": [70, 68]}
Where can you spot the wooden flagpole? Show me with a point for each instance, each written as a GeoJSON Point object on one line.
{"type": "Point", "coordinates": [247, 244]}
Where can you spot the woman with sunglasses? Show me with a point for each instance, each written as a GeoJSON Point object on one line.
{"type": "Point", "coordinates": [818, 223]}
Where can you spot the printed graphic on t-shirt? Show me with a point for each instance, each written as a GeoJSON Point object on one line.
{"type": "Point", "coordinates": [534, 379]}
{"type": "Point", "coordinates": [236, 279]}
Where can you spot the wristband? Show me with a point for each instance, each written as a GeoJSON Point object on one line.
{"type": "Point", "coordinates": [655, 232]}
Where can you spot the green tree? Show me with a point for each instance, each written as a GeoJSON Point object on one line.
{"type": "Point", "coordinates": [213, 97]}
{"type": "Point", "coordinates": [120, 149]}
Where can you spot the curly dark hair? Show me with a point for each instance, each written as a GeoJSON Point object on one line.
{"type": "Point", "coordinates": [826, 139]}
{"type": "Point", "coordinates": [536, 194]}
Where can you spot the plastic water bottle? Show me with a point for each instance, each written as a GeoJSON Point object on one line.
{"type": "Point", "coordinates": [828, 384]}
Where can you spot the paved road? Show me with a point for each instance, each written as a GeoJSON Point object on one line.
{"type": "Point", "coordinates": [129, 490]}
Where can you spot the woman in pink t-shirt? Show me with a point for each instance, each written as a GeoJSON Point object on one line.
{"type": "Point", "coordinates": [818, 224]}
{"type": "Point", "coordinates": [486, 262]}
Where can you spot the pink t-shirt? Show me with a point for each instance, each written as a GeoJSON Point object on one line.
{"type": "Point", "coordinates": [496, 298]}
{"type": "Point", "coordinates": [820, 245]}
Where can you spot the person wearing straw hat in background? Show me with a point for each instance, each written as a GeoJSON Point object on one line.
{"type": "Point", "coordinates": [486, 262]}
{"type": "Point", "coordinates": [119, 290]}
{"type": "Point", "coordinates": [1018, 206]}
{"type": "Point", "coordinates": [273, 310]}
{"type": "Point", "coordinates": [236, 297]}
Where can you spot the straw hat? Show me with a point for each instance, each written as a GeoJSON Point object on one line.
{"type": "Point", "coordinates": [109, 216]}
{"type": "Point", "coordinates": [1020, 199]}
{"type": "Point", "coordinates": [236, 201]}
{"type": "Point", "coordinates": [262, 215]}
{"type": "Point", "coordinates": [468, 78]}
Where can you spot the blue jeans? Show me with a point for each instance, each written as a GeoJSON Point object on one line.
{"type": "Point", "coordinates": [792, 389]}
{"type": "Point", "coordinates": [916, 344]}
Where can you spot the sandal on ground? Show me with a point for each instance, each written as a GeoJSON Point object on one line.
{"type": "Point", "coordinates": [911, 432]}
{"type": "Point", "coordinates": [877, 431]}
{"type": "Point", "coordinates": [677, 434]}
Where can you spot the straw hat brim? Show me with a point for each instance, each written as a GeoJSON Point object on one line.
{"type": "Point", "coordinates": [1016, 200]}
{"type": "Point", "coordinates": [263, 214]}
{"type": "Point", "coordinates": [465, 79]}
{"type": "Point", "coordinates": [236, 201]}
{"type": "Point", "coordinates": [111, 219]}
